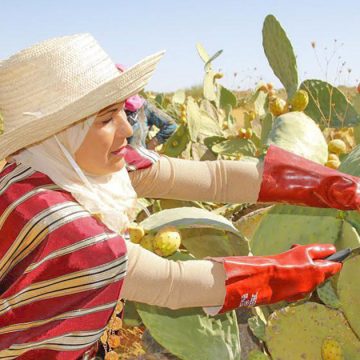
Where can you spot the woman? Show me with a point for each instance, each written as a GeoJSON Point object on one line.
{"type": "Point", "coordinates": [67, 194]}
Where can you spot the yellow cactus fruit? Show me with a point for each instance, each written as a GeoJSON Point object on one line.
{"type": "Point", "coordinates": [277, 106]}
{"type": "Point", "coordinates": [333, 164]}
{"type": "Point", "coordinates": [111, 355]}
{"type": "Point", "coordinates": [270, 86]}
{"type": "Point", "coordinates": [119, 307]}
{"type": "Point", "coordinates": [299, 101]}
{"type": "Point", "coordinates": [242, 133]}
{"type": "Point", "coordinates": [167, 241]}
{"type": "Point", "coordinates": [136, 233]}
{"type": "Point", "coordinates": [104, 337]}
{"type": "Point", "coordinates": [248, 133]}
{"type": "Point", "coordinates": [333, 157]}
{"type": "Point", "coordinates": [218, 75]}
{"type": "Point", "coordinates": [114, 341]}
{"type": "Point", "coordinates": [147, 242]}
{"type": "Point", "coordinates": [116, 324]}
{"type": "Point", "coordinates": [252, 115]}
{"type": "Point", "coordinates": [337, 146]}
{"type": "Point", "coordinates": [331, 350]}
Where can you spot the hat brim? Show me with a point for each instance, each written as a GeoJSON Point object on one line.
{"type": "Point", "coordinates": [118, 89]}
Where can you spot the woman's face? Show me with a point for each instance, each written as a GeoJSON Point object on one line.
{"type": "Point", "coordinates": [101, 151]}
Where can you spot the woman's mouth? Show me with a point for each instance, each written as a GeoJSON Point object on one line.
{"type": "Point", "coordinates": [120, 152]}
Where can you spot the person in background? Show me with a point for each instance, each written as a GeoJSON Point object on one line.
{"type": "Point", "coordinates": [142, 116]}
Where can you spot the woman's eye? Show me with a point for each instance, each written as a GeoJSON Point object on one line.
{"type": "Point", "coordinates": [106, 121]}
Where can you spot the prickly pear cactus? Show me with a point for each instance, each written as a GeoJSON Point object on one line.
{"type": "Point", "coordinates": [348, 288]}
{"type": "Point", "coordinates": [328, 295]}
{"type": "Point", "coordinates": [280, 54]}
{"type": "Point", "coordinates": [177, 142]}
{"type": "Point", "coordinates": [298, 133]}
{"type": "Point", "coordinates": [298, 332]}
{"type": "Point", "coordinates": [294, 225]}
{"type": "Point", "coordinates": [328, 106]}
{"type": "Point", "coordinates": [351, 164]}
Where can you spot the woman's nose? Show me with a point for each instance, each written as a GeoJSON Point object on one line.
{"type": "Point", "coordinates": [124, 129]}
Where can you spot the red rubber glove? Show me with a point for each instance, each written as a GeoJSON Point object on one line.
{"type": "Point", "coordinates": [256, 280]}
{"type": "Point", "coordinates": [292, 179]}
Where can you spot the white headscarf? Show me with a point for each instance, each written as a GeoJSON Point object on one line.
{"type": "Point", "coordinates": [112, 197]}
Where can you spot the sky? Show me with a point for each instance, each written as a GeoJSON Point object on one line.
{"type": "Point", "coordinates": [131, 30]}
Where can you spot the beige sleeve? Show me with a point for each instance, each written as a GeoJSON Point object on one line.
{"type": "Point", "coordinates": [174, 284]}
{"type": "Point", "coordinates": [218, 181]}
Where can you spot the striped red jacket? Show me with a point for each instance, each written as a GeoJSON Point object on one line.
{"type": "Point", "coordinates": [61, 270]}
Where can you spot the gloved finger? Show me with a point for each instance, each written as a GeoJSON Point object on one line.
{"type": "Point", "coordinates": [329, 268]}
{"type": "Point", "coordinates": [320, 251]}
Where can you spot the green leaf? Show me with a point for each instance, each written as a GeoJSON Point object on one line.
{"type": "Point", "coordinates": [351, 164]}
{"type": "Point", "coordinates": [187, 217]}
{"type": "Point", "coordinates": [257, 327]}
{"type": "Point", "coordinates": [234, 147]}
{"type": "Point", "coordinates": [193, 118]}
{"type": "Point", "coordinates": [159, 99]}
{"type": "Point", "coordinates": [328, 295]}
{"type": "Point", "coordinates": [227, 97]}
{"type": "Point", "coordinates": [190, 334]}
{"type": "Point", "coordinates": [208, 63]}
{"type": "Point", "coordinates": [131, 317]}
{"type": "Point", "coordinates": [202, 242]}
{"type": "Point", "coordinates": [285, 225]}
{"type": "Point", "coordinates": [280, 54]}
{"type": "Point", "coordinates": [179, 97]}
{"type": "Point", "coordinates": [261, 103]}
{"type": "Point", "coordinates": [297, 133]}
{"type": "Point", "coordinates": [213, 140]}
{"type": "Point", "coordinates": [210, 86]}
{"type": "Point", "coordinates": [328, 106]}
{"type": "Point", "coordinates": [177, 142]}
{"type": "Point", "coordinates": [202, 53]}
{"type": "Point", "coordinates": [266, 126]}
{"type": "Point", "coordinates": [208, 126]}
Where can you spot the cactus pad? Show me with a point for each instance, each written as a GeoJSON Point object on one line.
{"type": "Point", "coordinates": [348, 288]}
{"type": "Point", "coordinates": [298, 133]}
{"type": "Point", "coordinates": [285, 225]}
{"type": "Point", "coordinates": [301, 331]}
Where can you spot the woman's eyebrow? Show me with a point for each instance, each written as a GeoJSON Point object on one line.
{"type": "Point", "coordinates": [107, 110]}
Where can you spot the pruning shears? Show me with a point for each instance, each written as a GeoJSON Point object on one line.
{"type": "Point", "coordinates": [344, 254]}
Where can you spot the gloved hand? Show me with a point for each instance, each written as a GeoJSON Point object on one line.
{"type": "Point", "coordinates": [292, 179]}
{"type": "Point", "coordinates": [256, 280]}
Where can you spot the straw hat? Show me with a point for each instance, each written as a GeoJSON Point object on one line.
{"type": "Point", "coordinates": [49, 86]}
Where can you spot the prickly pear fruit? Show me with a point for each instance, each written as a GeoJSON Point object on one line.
{"type": "Point", "coordinates": [111, 355]}
{"type": "Point", "coordinates": [248, 133]}
{"type": "Point", "coordinates": [333, 164]}
{"type": "Point", "coordinates": [136, 233]}
{"type": "Point", "coordinates": [333, 157]}
{"type": "Point", "coordinates": [147, 242]}
{"type": "Point", "coordinates": [167, 241]}
{"type": "Point", "coordinates": [337, 146]}
{"type": "Point", "coordinates": [331, 350]}
{"type": "Point", "coordinates": [277, 106]}
{"type": "Point", "coordinates": [299, 101]}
